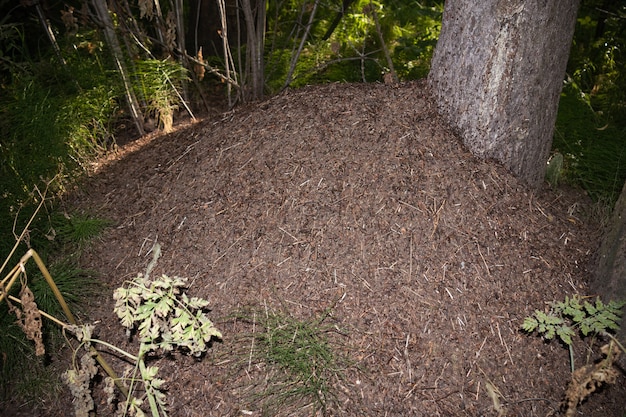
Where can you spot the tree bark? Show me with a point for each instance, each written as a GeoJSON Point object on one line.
{"type": "Point", "coordinates": [344, 8]}
{"type": "Point", "coordinates": [497, 73]}
{"type": "Point", "coordinates": [255, 27]}
{"type": "Point", "coordinates": [609, 280]}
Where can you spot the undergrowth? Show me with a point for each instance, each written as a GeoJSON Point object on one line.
{"type": "Point", "coordinates": [156, 310]}
{"type": "Point", "coordinates": [576, 316]}
{"type": "Point", "coordinates": [24, 375]}
{"type": "Point", "coordinates": [593, 148]}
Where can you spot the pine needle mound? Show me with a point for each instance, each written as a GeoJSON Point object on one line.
{"type": "Point", "coordinates": [353, 197]}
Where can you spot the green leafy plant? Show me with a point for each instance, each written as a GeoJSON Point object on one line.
{"type": "Point", "coordinates": [577, 315]}
{"type": "Point", "coordinates": [164, 316]}
{"type": "Point", "coordinates": [159, 310]}
{"type": "Point", "coordinates": [159, 83]}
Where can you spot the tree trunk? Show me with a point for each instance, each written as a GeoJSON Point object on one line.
{"type": "Point", "coordinates": [255, 45]}
{"type": "Point", "coordinates": [497, 73]}
{"type": "Point", "coordinates": [609, 280]}
{"type": "Point", "coordinates": [335, 23]}
{"type": "Point", "coordinates": [295, 57]}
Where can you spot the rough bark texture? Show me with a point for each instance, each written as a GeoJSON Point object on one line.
{"type": "Point", "coordinates": [610, 277]}
{"type": "Point", "coordinates": [255, 26]}
{"type": "Point", "coordinates": [497, 74]}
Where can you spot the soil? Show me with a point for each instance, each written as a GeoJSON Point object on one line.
{"type": "Point", "coordinates": [354, 199]}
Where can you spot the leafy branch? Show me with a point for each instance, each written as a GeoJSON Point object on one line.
{"type": "Point", "coordinates": [163, 315]}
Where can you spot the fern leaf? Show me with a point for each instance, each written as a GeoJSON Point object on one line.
{"type": "Point", "coordinates": [530, 324]}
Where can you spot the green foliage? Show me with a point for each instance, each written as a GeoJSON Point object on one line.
{"type": "Point", "coordinates": [554, 169]}
{"type": "Point", "coordinates": [574, 315]}
{"type": "Point", "coordinates": [75, 284]}
{"type": "Point", "coordinates": [78, 229]}
{"type": "Point", "coordinates": [353, 52]}
{"type": "Point", "coordinates": [163, 315]}
{"type": "Point", "coordinates": [296, 346]}
{"type": "Point", "coordinates": [164, 318]}
{"type": "Point", "coordinates": [419, 25]}
{"type": "Point", "coordinates": [591, 125]}
{"type": "Point", "coordinates": [48, 139]}
{"type": "Point", "coordinates": [593, 148]}
{"type": "Point", "coordinates": [157, 81]}
{"type": "Point", "coordinates": [597, 58]}
{"type": "Point", "coordinates": [577, 315]}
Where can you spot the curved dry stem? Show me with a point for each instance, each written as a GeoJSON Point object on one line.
{"type": "Point", "coordinates": [15, 273]}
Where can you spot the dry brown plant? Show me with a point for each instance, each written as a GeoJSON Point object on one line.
{"type": "Point", "coordinates": [589, 378]}
{"type": "Point", "coordinates": [29, 318]}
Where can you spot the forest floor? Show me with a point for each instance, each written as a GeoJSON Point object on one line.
{"type": "Point", "coordinates": [351, 204]}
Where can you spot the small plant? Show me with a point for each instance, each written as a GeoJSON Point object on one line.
{"type": "Point", "coordinates": [164, 318]}
{"type": "Point", "coordinates": [163, 315]}
{"type": "Point", "coordinates": [159, 82]}
{"type": "Point", "coordinates": [158, 310]}
{"type": "Point", "coordinates": [554, 169]}
{"type": "Point", "coordinates": [566, 318]}
{"type": "Point", "coordinates": [574, 316]}
{"type": "Point", "coordinates": [77, 229]}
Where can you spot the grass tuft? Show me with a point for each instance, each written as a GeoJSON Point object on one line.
{"type": "Point", "coordinates": [300, 362]}
{"type": "Point", "coordinates": [79, 229]}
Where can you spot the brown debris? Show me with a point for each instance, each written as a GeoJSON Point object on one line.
{"type": "Point", "coordinates": [355, 193]}
{"type": "Point", "coordinates": [29, 319]}
{"type": "Point", "coordinates": [589, 378]}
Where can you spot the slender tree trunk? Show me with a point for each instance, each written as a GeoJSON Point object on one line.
{"type": "Point", "coordinates": [497, 73]}
{"type": "Point", "coordinates": [102, 12]}
{"type": "Point", "coordinates": [255, 44]}
{"type": "Point", "coordinates": [383, 45]}
{"type": "Point", "coordinates": [53, 41]}
{"type": "Point", "coordinates": [180, 45]}
{"type": "Point", "coordinates": [305, 36]}
{"type": "Point", "coordinates": [344, 8]}
{"type": "Point", "coordinates": [228, 58]}
{"type": "Point", "coordinates": [609, 280]}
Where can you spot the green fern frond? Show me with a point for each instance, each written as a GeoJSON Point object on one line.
{"type": "Point", "coordinates": [572, 315]}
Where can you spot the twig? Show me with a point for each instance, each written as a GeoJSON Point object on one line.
{"type": "Point", "coordinates": [483, 258]}
{"type": "Point", "coordinates": [252, 344]}
{"type": "Point", "coordinates": [504, 344]}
